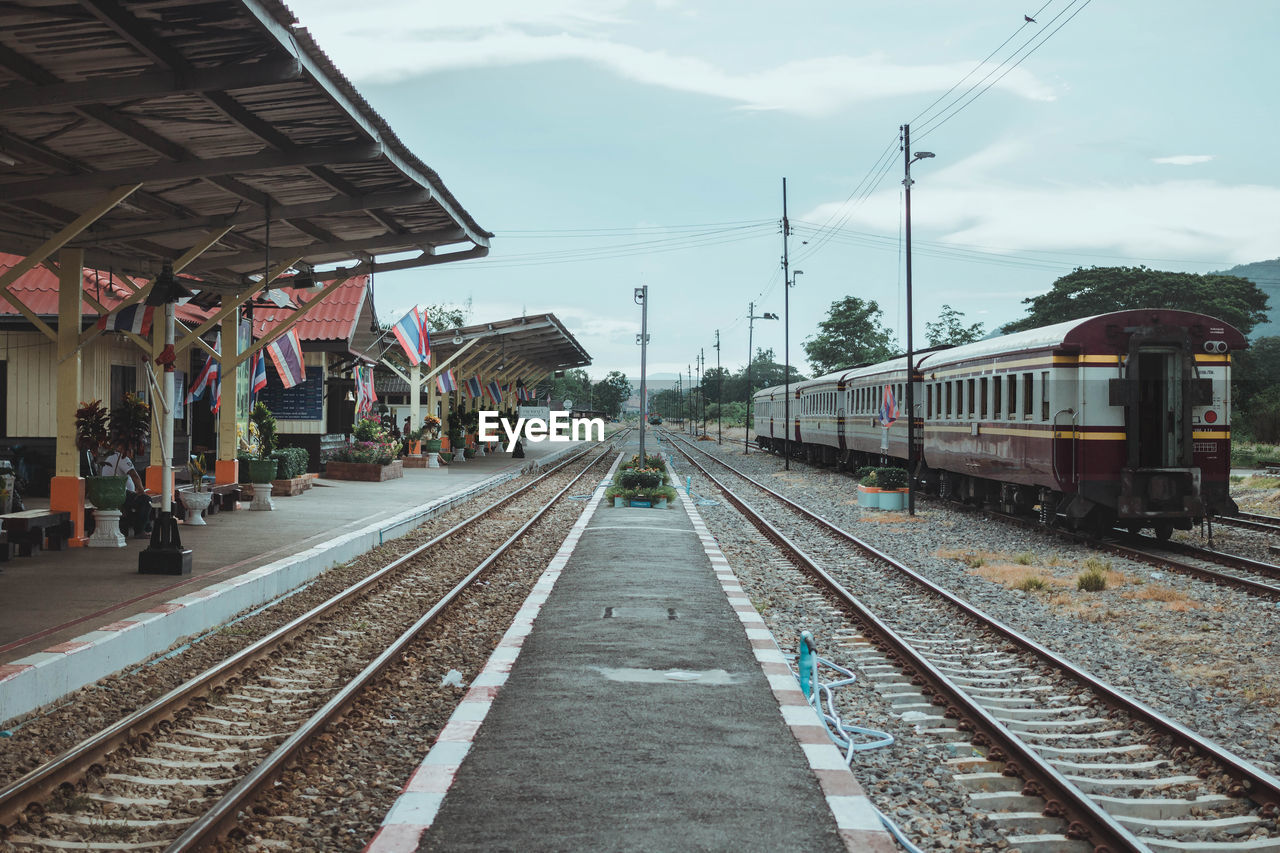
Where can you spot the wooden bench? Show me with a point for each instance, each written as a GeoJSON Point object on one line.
{"type": "Point", "coordinates": [28, 530]}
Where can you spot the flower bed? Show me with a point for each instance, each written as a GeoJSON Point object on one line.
{"type": "Point", "coordinates": [369, 472]}
{"type": "Point", "coordinates": [641, 486]}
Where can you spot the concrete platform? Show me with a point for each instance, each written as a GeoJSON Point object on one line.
{"type": "Point", "coordinates": [241, 559]}
{"type": "Point", "coordinates": [637, 703]}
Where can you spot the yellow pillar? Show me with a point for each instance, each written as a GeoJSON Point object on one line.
{"type": "Point", "coordinates": [66, 489]}
{"type": "Point", "coordinates": [227, 469]}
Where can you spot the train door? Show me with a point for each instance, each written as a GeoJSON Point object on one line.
{"type": "Point", "coordinates": [1161, 415]}
{"type": "Point", "coordinates": [842, 410]}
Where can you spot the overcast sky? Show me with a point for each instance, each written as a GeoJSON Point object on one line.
{"type": "Point", "coordinates": [611, 144]}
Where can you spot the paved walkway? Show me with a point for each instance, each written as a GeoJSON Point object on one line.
{"type": "Point", "coordinates": [51, 603]}
{"type": "Point", "coordinates": [635, 713]}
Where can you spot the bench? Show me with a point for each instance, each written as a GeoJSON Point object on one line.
{"type": "Point", "coordinates": [28, 530]}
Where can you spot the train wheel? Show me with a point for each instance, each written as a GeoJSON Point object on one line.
{"type": "Point", "coordinates": [1164, 529]}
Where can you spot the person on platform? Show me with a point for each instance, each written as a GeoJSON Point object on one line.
{"type": "Point", "coordinates": [136, 512]}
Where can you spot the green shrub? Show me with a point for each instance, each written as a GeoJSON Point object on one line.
{"type": "Point", "coordinates": [1097, 564]}
{"type": "Point", "coordinates": [871, 479]}
{"type": "Point", "coordinates": [1030, 583]}
{"type": "Point", "coordinates": [1092, 580]}
{"type": "Point", "coordinates": [891, 478]}
{"type": "Point", "coordinates": [290, 462]}
{"type": "Point", "coordinates": [639, 478]}
{"type": "Point", "coordinates": [1026, 558]}
{"type": "Point", "coordinates": [862, 473]}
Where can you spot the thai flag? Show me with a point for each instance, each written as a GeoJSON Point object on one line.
{"type": "Point", "coordinates": [135, 318]}
{"type": "Point", "coordinates": [495, 393]}
{"type": "Point", "coordinates": [207, 379]}
{"type": "Point", "coordinates": [411, 332]}
{"type": "Point", "coordinates": [259, 373]}
{"type": "Point", "coordinates": [473, 387]}
{"type": "Point", "coordinates": [522, 393]}
{"type": "Point", "coordinates": [888, 407]}
{"type": "Point", "coordinates": [366, 396]}
{"type": "Point", "coordinates": [445, 382]}
{"type": "Point", "coordinates": [286, 354]}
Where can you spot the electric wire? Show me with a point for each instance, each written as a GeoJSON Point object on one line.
{"type": "Point", "coordinates": [925, 130]}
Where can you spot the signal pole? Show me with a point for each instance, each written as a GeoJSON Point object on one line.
{"type": "Point", "coordinates": [642, 296]}
{"type": "Point", "coordinates": [786, 335]}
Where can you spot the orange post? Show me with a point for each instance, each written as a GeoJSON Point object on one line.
{"type": "Point", "coordinates": [66, 494]}
{"type": "Point", "coordinates": [154, 479]}
{"type": "Point", "coordinates": [226, 471]}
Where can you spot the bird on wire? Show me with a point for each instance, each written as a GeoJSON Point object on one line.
{"type": "Point", "coordinates": [1028, 19]}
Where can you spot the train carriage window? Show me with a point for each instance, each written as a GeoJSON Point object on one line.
{"type": "Point", "coordinates": [982, 398]}
{"type": "Point", "coordinates": [948, 385]}
{"type": "Point", "coordinates": [1044, 396]}
{"type": "Point", "coordinates": [971, 396]}
{"type": "Point", "coordinates": [1012, 382]}
{"type": "Point", "coordinates": [1028, 394]}
{"type": "Point", "coordinates": [997, 410]}
{"type": "Point", "coordinates": [928, 401]}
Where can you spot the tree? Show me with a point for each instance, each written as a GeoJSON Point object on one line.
{"type": "Point", "coordinates": [611, 393]}
{"type": "Point", "coordinates": [575, 385]}
{"type": "Point", "coordinates": [851, 334]}
{"type": "Point", "coordinates": [1101, 290]}
{"type": "Point", "coordinates": [766, 372]}
{"type": "Point", "coordinates": [1254, 371]}
{"type": "Point", "coordinates": [949, 329]}
{"type": "Point", "coordinates": [443, 317]}
{"type": "Point", "coordinates": [713, 380]}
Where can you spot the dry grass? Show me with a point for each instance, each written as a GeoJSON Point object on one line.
{"type": "Point", "coordinates": [1015, 576]}
{"type": "Point", "coordinates": [891, 518]}
{"type": "Point", "coordinates": [1173, 600]}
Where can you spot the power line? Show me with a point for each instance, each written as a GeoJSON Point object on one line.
{"type": "Point", "coordinates": [925, 130]}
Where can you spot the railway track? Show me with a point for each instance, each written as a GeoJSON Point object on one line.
{"type": "Point", "coordinates": [1062, 757]}
{"type": "Point", "coordinates": [1251, 521]}
{"type": "Point", "coordinates": [177, 774]}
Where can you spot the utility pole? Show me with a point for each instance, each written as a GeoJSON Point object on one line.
{"type": "Point", "coordinates": [693, 406]}
{"type": "Point", "coordinates": [907, 160]}
{"type": "Point", "coordinates": [642, 296]}
{"type": "Point", "coordinates": [786, 335]}
{"type": "Point", "coordinates": [702, 391]}
{"type": "Point", "coordinates": [719, 392]}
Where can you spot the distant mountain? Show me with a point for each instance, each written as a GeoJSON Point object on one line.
{"type": "Point", "coordinates": [1265, 274]}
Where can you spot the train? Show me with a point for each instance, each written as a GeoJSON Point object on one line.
{"type": "Point", "coordinates": [1121, 419]}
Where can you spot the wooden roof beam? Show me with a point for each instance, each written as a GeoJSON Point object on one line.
{"type": "Point", "coordinates": [153, 84]}
{"type": "Point", "coordinates": [164, 172]}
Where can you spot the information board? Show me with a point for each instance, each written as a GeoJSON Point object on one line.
{"type": "Point", "coordinates": [302, 402]}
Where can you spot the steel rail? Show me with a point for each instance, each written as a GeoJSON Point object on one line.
{"type": "Point", "coordinates": [1085, 819]}
{"type": "Point", "coordinates": [41, 782]}
{"type": "Point", "coordinates": [1250, 521]}
{"type": "Point", "coordinates": [1251, 781]}
{"type": "Point", "coordinates": [223, 816]}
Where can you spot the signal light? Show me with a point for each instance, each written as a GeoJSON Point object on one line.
{"type": "Point", "coordinates": [1210, 417]}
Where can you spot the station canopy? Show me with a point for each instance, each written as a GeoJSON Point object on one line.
{"type": "Point", "coordinates": [540, 342]}
{"type": "Point", "coordinates": [229, 116]}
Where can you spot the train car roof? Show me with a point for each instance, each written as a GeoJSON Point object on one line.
{"type": "Point", "coordinates": [1095, 334]}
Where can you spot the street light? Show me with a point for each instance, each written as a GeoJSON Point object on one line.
{"type": "Point", "coordinates": [907, 160]}
{"type": "Point", "coordinates": [642, 297]}
{"type": "Point", "coordinates": [752, 316]}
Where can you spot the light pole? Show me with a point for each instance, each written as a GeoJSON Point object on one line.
{"type": "Point", "coordinates": [719, 391]}
{"type": "Point", "coordinates": [786, 370]}
{"type": "Point", "coordinates": [907, 160]}
{"type": "Point", "coordinates": [642, 297]}
{"type": "Point", "coordinates": [752, 316]}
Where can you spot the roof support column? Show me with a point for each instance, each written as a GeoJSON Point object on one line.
{"type": "Point", "coordinates": [155, 481]}
{"type": "Point", "coordinates": [227, 469]}
{"type": "Point", "coordinates": [415, 395]}
{"type": "Point", "coordinates": [66, 489]}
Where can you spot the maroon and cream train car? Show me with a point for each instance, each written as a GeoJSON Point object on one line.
{"type": "Point", "coordinates": [1124, 417]}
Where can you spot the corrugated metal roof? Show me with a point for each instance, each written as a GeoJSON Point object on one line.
{"type": "Point", "coordinates": [229, 114]}
{"type": "Point", "coordinates": [334, 319]}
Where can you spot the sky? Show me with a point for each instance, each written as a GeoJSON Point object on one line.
{"type": "Point", "coordinates": [611, 144]}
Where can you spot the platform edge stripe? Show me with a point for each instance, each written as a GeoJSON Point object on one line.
{"type": "Point", "coordinates": [52, 677]}
{"type": "Point", "coordinates": [467, 723]}
{"type": "Point", "coordinates": [855, 816]}
{"type": "Point", "coordinates": [396, 838]}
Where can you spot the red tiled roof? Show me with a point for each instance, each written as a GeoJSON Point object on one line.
{"type": "Point", "coordinates": [38, 290]}
{"type": "Point", "coordinates": [334, 319]}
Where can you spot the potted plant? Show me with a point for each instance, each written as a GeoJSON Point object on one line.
{"type": "Point", "coordinates": [430, 434]}
{"type": "Point", "coordinates": [893, 487]}
{"type": "Point", "coordinates": [262, 468]}
{"type": "Point", "coordinates": [92, 431]}
{"type": "Point", "coordinates": [371, 456]}
{"type": "Point", "coordinates": [197, 500]}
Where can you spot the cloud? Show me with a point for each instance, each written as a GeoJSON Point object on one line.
{"type": "Point", "coordinates": [812, 87]}
{"type": "Point", "coordinates": [1183, 159]}
{"type": "Point", "coordinates": [970, 205]}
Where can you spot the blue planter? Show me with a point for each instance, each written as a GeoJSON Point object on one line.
{"type": "Point", "coordinates": [896, 499]}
